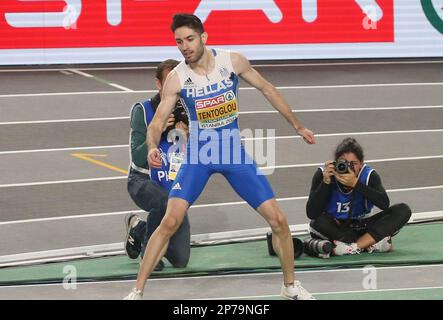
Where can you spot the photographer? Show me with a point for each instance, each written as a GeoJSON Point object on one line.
{"type": "Point", "coordinates": [149, 187]}
{"type": "Point", "coordinates": [341, 204]}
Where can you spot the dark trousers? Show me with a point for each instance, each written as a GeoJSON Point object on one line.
{"type": "Point", "coordinates": [383, 224]}
{"type": "Point", "coordinates": [153, 198]}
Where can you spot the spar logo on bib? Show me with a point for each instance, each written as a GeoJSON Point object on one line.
{"type": "Point", "coordinates": [217, 111]}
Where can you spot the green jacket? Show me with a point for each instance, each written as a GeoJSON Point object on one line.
{"type": "Point", "coordinates": [139, 149]}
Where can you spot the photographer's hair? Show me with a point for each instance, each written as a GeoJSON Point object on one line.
{"type": "Point", "coordinates": [165, 65]}
{"type": "Point", "coordinates": [349, 145]}
{"type": "Point", "coordinates": [187, 20]}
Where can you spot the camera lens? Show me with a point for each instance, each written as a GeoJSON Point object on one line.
{"type": "Point", "coordinates": [341, 166]}
{"type": "Point", "coordinates": [317, 247]}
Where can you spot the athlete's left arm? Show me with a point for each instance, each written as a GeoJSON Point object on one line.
{"type": "Point", "coordinates": [243, 68]}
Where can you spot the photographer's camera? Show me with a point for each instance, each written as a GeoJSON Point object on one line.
{"type": "Point", "coordinates": [179, 115]}
{"type": "Point", "coordinates": [343, 166]}
{"type": "Point", "coordinates": [317, 247]}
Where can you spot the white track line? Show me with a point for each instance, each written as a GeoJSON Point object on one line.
{"type": "Point", "coordinates": [302, 165]}
{"type": "Point", "coordinates": [84, 74]}
{"type": "Point", "coordinates": [326, 293]}
{"type": "Point", "coordinates": [269, 65]}
{"type": "Point", "coordinates": [74, 93]}
{"type": "Point", "coordinates": [120, 87]}
{"type": "Point", "coordinates": [90, 76]}
{"type": "Point", "coordinates": [319, 64]}
{"type": "Point", "coordinates": [117, 248]}
{"type": "Point", "coordinates": [65, 149]}
{"type": "Point", "coordinates": [60, 182]}
{"type": "Point", "coordinates": [415, 189]}
{"type": "Point", "coordinates": [247, 139]}
{"type": "Point", "coordinates": [245, 275]}
{"type": "Point", "coordinates": [95, 215]}
{"type": "Point", "coordinates": [63, 120]}
{"type": "Point", "coordinates": [363, 85]}
{"type": "Point", "coordinates": [221, 204]}
{"type": "Point", "coordinates": [244, 88]}
{"type": "Point", "coordinates": [379, 290]}
{"type": "Point", "coordinates": [241, 112]}
{"type": "Point", "coordinates": [347, 134]}
{"type": "Point", "coordinates": [346, 109]}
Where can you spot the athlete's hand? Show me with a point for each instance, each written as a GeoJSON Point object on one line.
{"type": "Point", "coordinates": [182, 126]}
{"type": "Point", "coordinates": [154, 158]}
{"type": "Point", "coordinates": [307, 135]}
{"type": "Point", "coordinates": [347, 179]}
{"type": "Point", "coordinates": [328, 171]}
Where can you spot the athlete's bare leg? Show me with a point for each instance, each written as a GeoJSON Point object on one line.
{"type": "Point", "coordinates": [158, 242]}
{"type": "Point", "coordinates": [281, 237]}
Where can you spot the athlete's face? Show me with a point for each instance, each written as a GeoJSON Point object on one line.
{"type": "Point", "coordinates": [190, 43]}
{"type": "Point", "coordinates": [351, 157]}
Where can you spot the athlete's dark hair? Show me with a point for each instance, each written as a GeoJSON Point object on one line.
{"type": "Point", "coordinates": [349, 145]}
{"type": "Point", "coordinates": [187, 20]}
{"type": "Point", "coordinates": [165, 65]}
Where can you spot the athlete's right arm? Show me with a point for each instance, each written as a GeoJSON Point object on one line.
{"type": "Point", "coordinates": [169, 97]}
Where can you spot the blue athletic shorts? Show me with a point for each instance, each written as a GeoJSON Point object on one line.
{"type": "Point", "coordinates": [252, 187]}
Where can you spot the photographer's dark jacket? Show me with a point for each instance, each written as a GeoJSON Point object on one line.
{"type": "Point", "coordinates": [335, 199]}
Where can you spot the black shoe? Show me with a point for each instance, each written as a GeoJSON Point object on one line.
{"type": "Point", "coordinates": [132, 246]}
{"type": "Point", "coordinates": [160, 266]}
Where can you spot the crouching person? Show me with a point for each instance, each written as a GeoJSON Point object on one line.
{"type": "Point", "coordinates": [341, 206]}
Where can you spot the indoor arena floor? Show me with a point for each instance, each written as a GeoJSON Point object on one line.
{"type": "Point", "coordinates": [64, 155]}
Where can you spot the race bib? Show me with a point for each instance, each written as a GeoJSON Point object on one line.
{"type": "Point", "coordinates": [218, 111]}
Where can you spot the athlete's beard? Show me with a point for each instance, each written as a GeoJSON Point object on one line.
{"type": "Point", "coordinates": [198, 54]}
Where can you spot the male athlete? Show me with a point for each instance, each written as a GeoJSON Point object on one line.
{"type": "Point", "coordinates": [207, 84]}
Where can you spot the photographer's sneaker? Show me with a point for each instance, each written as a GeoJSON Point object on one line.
{"type": "Point", "coordinates": [134, 295]}
{"type": "Point", "coordinates": [384, 245]}
{"type": "Point", "coordinates": [296, 292]}
{"type": "Point", "coordinates": [342, 249]}
{"type": "Point", "coordinates": [132, 246]}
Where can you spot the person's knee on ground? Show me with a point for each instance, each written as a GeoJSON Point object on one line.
{"type": "Point", "coordinates": [179, 250]}
{"type": "Point", "coordinates": [180, 260]}
{"type": "Point", "coordinates": [165, 231]}
{"type": "Point", "coordinates": [393, 219]}
{"type": "Point", "coordinates": [403, 211]}
{"type": "Point", "coordinates": [178, 254]}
